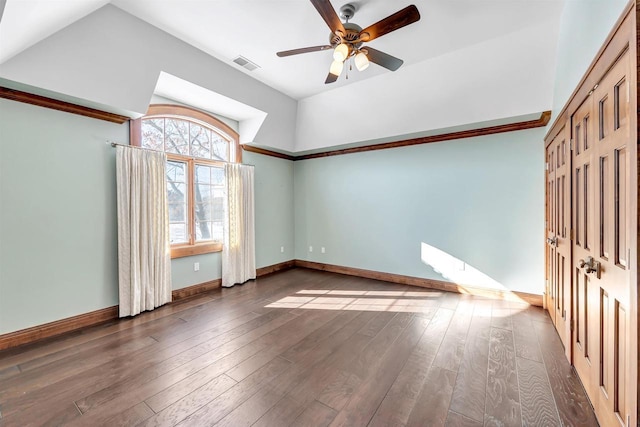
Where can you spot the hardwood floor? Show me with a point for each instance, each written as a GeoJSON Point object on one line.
{"type": "Point", "coordinates": [302, 348]}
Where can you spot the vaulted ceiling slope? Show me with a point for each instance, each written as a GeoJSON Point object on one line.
{"type": "Point", "coordinates": [466, 62]}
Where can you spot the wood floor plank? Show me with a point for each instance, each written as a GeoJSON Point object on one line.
{"type": "Point", "coordinates": [375, 385]}
{"type": "Point", "coordinates": [23, 401]}
{"type": "Point", "coordinates": [502, 405]}
{"type": "Point", "coordinates": [76, 338]}
{"type": "Point", "coordinates": [118, 375]}
{"type": "Point", "coordinates": [223, 358]}
{"type": "Point", "coordinates": [469, 393]}
{"type": "Point", "coordinates": [369, 359]}
{"type": "Point", "coordinates": [224, 404]}
{"type": "Point", "coordinates": [456, 420]}
{"type": "Point", "coordinates": [182, 408]}
{"type": "Point", "coordinates": [301, 366]}
{"type": "Point", "coordinates": [59, 416]}
{"type": "Point", "coordinates": [339, 391]}
{"type": "Point", "coordinates": [304, 386]}
{"type": "Point", "coordinates": [280, 340]}
{"type": "Point", "coordinates": [501, 318]}
{"type": "Point", "coordinates": [282, 413]}
{"type": "Point", "coordinates": [311, 341]}
{"type": "Point", "coordinates": [9, 372]}
{"type": "Point", "coordinates": [434, 399]}
{"type": "Point", "coordinates": [131, 416]}
{"type": "Point", "coordinates": [573, 405]}
{"type": "Point", "coordinates": [372, 328]}
{"type": "Point", "coordinates": [333, 343]}
{"type": "Point", "coordinates": [190, 387]}
{"type": "Point", "coordinates": [311, 374]}
{"type": "Point", "coordinates": [526, 342]}
{"type": "Point", "coordinates": [538, 406]}
{"type": "Point", "coordinates": [316, 414]}
{"type": "Point", "coordinates": [537, 314]}
{"type": "Point", "coordinates": [96, 345]}
{"type": "Point", "coordinates": [252, 409]}
{"type": "Point", "coordinates": [452, 348]}
{"type": "Point", "coordinates": [398, 403]}
{"type": "Point", "coordinates": [192, 360]}
{"type": "Point", "coordinates": [18, 386]}
{"type": "Point", "coordinates": [449, 300]}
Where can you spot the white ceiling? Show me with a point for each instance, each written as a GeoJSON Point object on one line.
{"type": "Point", "coordinates": [257, 29]}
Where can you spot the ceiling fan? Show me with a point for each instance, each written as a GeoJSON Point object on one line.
{"type": "Point", "coordinates": [346, 39]}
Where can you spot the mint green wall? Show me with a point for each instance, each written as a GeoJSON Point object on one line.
{"type": "Point", "coordinates": [58, 232]}
{"type": "Point", "coordinates": [184, 275]}
{"type": "Point", "coordinates": [58, 248]}
{"type": "Point", "coordinates": [479, 200]}
{"type": "Point", "coordinates": [273, 208]}
{"type": "Point", "coordinates": [584, 27]}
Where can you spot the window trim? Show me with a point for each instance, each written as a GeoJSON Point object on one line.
{"type": "Point", "coordinates": [235, 151]}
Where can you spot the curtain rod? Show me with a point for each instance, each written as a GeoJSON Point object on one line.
{"type": "Point", "coordinates": [115, 144]}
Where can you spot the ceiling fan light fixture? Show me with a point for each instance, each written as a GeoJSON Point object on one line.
{"type": "Point", "coordinates": [336, 68]}
{"type": "Point", "coordinates": [361, 60]}
{"type": "Point", "coordinates": [341, 52]}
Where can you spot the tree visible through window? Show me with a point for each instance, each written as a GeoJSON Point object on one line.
{"type": "Point", "coordinates": [197, 145]}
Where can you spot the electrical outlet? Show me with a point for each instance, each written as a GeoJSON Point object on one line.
{"type": "Point", "coordinates": [310, 248]}
{"type": "Point", "coordinates": [322, 249]}
{"type": "Point", "coordinates": [196, 266]}
{"type": "Point", "coordinates": [281, 249]}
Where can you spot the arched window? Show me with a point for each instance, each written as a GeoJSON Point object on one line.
{"type": "Point", "coordinates": [197, 146]}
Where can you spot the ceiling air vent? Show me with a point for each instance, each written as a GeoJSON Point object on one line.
{"type": "Point", "coordinates": [245, 63]}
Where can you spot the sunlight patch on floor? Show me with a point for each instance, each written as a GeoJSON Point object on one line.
{"type": "Point", "coordinates": [422, 294]}
{"type": "Point", "coordinates": [369, 301]}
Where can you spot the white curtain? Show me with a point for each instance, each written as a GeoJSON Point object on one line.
{"type": "Point", "coordinates": [238, 251]}
{"type": "Point", "coordinates": [144, 259]}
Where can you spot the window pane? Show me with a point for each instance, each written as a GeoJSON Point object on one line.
{"type": "Point", "coordinates": [178, 233]}
{"type": "Point", "coordinates": [218, 208]}
{"type": "Point", "coordinates": [203, 230]}
{"type": "Point", "coordinates": [177, 193]}
{"type": "Point", "coordinates": [175, 171]}
{"type": "Point", "coordinates": [203, 174]}
{"type": "Point", "coordinates": [216, 231]}
{"type": "Point", "coordinates": [204, 211]}
{"type": "Point", "coordinates": [211, 229]}
{"type": "Point", "coordinates": [217, 177]}
{"type": "Point", "coordinates": [208, 192]}
{"type": "Point", "coordinates": [153, 134]}
{"type": "Point", "coordinates": [177, 198]}
{"type": "Point", "coordinates": [177, 136]}
{"type": "Point", "coordinates": [203, 192]}
{"type": "Point", "coordinates": [200, 141]}
{"type": "Point", "coordinates": [177, 213]}
{"type": "Point", "coordinates": [220, 147]}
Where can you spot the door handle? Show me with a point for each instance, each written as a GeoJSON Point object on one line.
{"type": "Point", "coordinates": [591, 266]}
{"type": "Point", "coordinates": [553, 241]}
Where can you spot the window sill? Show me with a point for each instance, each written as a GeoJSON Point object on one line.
{"type": "Point", "coordinates": [197, 249]}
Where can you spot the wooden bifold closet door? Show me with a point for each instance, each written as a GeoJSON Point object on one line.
{"type": "Point", "coordinates": [602, 164]}
{"type": "Point", "coordinates": [592, 190]}
{"type": "Point", "coordinates": [558, 220]}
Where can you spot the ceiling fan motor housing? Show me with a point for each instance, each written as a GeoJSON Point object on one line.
{"type": "Point", "coordinates": [352, 31]}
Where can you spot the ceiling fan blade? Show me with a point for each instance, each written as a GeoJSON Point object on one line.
{"type": "Point", "coordinates": [400, 19]}
{"type": "Point", "coordinates": [329, 15]}
{"type": "Point", "coordinates": [331, 78]}
{"type": "Point", "coordinates": [383, 59]}
{"type": "Point", "coordinates": [303, 50]}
